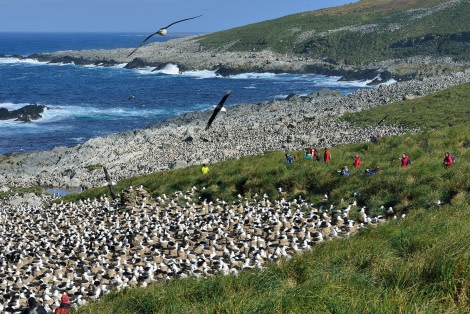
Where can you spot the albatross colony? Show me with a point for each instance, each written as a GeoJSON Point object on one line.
{"type": "Point", "coordinates": [91, 247]}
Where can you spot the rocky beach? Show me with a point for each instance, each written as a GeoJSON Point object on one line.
{"type": "Point", "coordinates": [244, 129]}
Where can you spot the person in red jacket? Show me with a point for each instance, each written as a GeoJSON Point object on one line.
{"type": "Point", "coordinates": [65, 305]}
{"type": "Point", "coordinates": [326, 155]}
{"type": "Point", "coordinates": [447, 160]}
{"type": "Point", "coordinates": [357, 162]}
{"type": "Point", "coordinates": [405, 160]}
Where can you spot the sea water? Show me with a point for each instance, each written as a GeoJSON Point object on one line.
{"type": "Point", "coordinates": [90, 101]}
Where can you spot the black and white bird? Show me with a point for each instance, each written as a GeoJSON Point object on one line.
{"type": "Point", "coordinates": [382, 120]}
{"type": "Point", "coordinates": [217, 109]}
{"type": "Point", "coordinates": [162, 32]}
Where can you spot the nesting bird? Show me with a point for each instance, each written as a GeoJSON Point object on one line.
{"type": "Point", "coordinates": [91, 247]}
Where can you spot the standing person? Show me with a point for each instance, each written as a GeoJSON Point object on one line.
{"type": "Point", "coordinates": [33, 307]}
{"type": "Point", "coordinates": [405, 160]}
{"type": "Point", "coordinates": [357, 162]}
{"type": "Point", "coordinates": [289, 159]}
{"type": "Point", "coordinates": [326, 155]}
{"type": "Point", "coordinates": [313, 152]}
{"type": "Point", "coordinates": [65, 305]}
{"type": "Point", "coordinates": [204, 169]}
{"type": "Point", "coordinates": [448, 160]}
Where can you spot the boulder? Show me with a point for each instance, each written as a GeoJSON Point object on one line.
{"type": "Point", "coordinates": [25, 114]}
{"type": "Point", "coordinates": [178, 164]}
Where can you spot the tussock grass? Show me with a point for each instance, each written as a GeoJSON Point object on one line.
{"type": "Point", "coordinates": [439, 110]}
{"type": "Point", "coordinates": [359, 33]}
{"type": "Point", "coordinates": [419, 264]}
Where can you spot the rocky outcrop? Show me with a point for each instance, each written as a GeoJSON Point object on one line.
{"type": "Point", "coordinates": [188, 54]}
{"type": "Point", "coordinates": [24, 114]}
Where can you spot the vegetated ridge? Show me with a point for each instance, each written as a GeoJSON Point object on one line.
{"type": "Point", "coordinates": [394, 39]}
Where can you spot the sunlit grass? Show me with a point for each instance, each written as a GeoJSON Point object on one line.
{"type": "Point", "coordinates": [416, 264]}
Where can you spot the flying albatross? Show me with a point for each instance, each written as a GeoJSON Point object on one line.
{"type": "Point", "coordinates": [217, 109]}
{"type": "Point", "coordinates": [162, 32]}
{"type": "Point", "coordinates": [383, 119]}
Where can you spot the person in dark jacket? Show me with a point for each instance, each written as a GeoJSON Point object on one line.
{"type": "Point", "coordinates": [33, 307]}
{"type": "Point", "coordinates": [65, 305]}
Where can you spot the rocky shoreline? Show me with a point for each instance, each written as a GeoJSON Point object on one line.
{"type": "Point", "coordinates": [245, 129]}
{"type": "Point", "coordinates": [115, 249]}
{"type": "Point", "coordinates": [188, 54]}
{"type": "Point", "coordinates": [24, 114]}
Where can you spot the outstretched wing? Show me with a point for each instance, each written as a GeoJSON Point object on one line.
{"type": "Point", "coordinates": [157, 32]}
{"type": "Point", "coordinates": [217, 109]}
{"type": "Point", "coordinates": [140, 45]}
{"type": "Point", "coordinates": [189, 18]}
{"type": "Point", "coordinates": [383, 119]}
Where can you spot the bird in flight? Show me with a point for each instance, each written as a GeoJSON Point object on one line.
{"type": "Point", "coordinates": [162, 32]}
{"type": "Point", "coordinates": [383, 119]}
{"type": "Point", "coordinates": [217, 109]}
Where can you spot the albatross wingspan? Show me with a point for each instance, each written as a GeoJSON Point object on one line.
{"type": "Point", "coordinates": [162, 32]}
{"type": "Point", "coordinates": [217, 109]}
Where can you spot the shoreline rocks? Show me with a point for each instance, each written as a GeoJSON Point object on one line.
{"type": "Point", "coordinates": [25, 114]}
{"type": "Point", "coordinates": [188, 54]}
{"type": "Point", "coordinates": [245, 129]}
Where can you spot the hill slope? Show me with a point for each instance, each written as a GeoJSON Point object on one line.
{"type": "Point", "coordinates": [417, 264]}
{"type": "Point", "coordinates": [358, 33]}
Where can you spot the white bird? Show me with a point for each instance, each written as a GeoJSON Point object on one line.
{"type": "Point", "coordinates": [162, 32]}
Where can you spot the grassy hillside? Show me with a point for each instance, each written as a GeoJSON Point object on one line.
{"type": "Point", "coordinates": [444, 114]}
{"type": "Point", "coordinates": [417, 264]}
{"type": "Point", "coordinates": [359, 33]}
{"type": "Point", "coordinates": [414, 265]}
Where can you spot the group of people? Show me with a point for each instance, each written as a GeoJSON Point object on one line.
{"type": "Point", "coordinates": [312, 153]}
{"type": "Point", "coordinates": [449, 159]}
{"type": "Point", "coordinates": [357, 162]}
{"type": "Point", "coordinates": [35, 308]}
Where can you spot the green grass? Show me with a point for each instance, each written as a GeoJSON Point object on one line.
{"type": "Point", "coordinates": [442, 33]}
{"type": "Point", "coordinates": [419, 264]}
{"type": "Point", "coordinates": [443, 114]}
{"type": "Point", "coordinates": [21, 191]}
{"type": "Point", "coordinates": [439, 110]}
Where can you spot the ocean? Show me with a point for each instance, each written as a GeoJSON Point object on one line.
{"type": "Point", "coordinates": [89, 101]}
